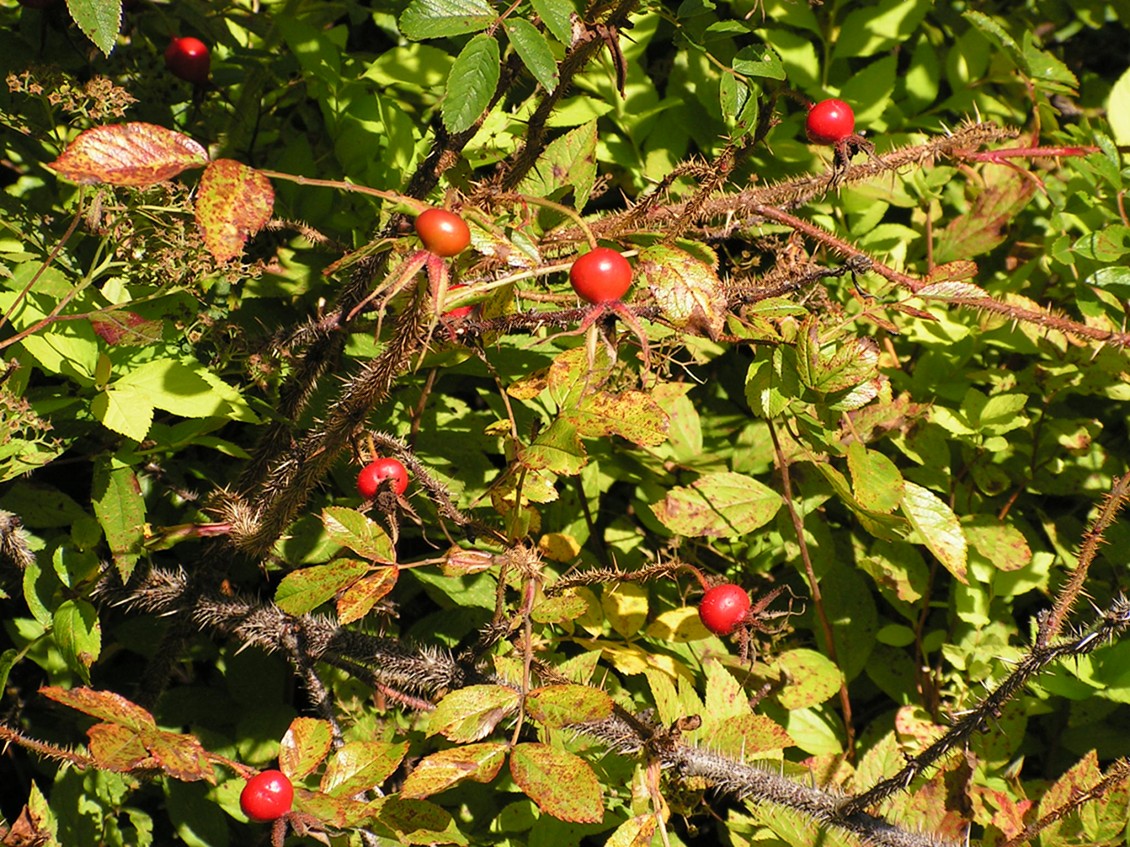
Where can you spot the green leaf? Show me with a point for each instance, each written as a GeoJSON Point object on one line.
{"type": "Point", "coordinates": [125, 411]}
{"type": "Point", "coordinates": [471, 84]}
{"type": "Point", "coordinates": [472, 713]}
{"type": "Point", "coordinates": [557, 17]}
{"type": "Point", "coordinates": [533, 49]}
{"type": "Point", "coordinates": [8, 661]}
{"type": "Point", "coordinates": [838, 366]}
{"type": "Point", "coordinates": [719, 505]}
{"type": "Point", "coordinates": [99, 21]}
{"type": "Point", "coordinates": [1036, 63]}
{"type": "Point", "coordinates": [759, 61]}
{"type": "Point", "coordinates": [120, 508]}
{"type": "Point", "coordinates": [562, 784]}
{"type": "Point", "coordinates": [304, 590]}
{"type": "Point", "coordinates": [1116, 279]}
{"type": "Point", "coordinates": [937, 527]}
{"type": "Point", "coordinates": [1118, 109]}
{"type": "Point", "coordinates": [418, 821]}
{"type": "Point", "coordinates": [177, 388]}
{"type": "Point", "coordinates": [877, 28]}
{"type": "Point", "coordinates": [198, 820]}
{"type": "Point", "coordinates": [78, 635]}
{"type": "Point", "coordinates": [441, 18]}
{"type": "Point", "coordinates": [557, 449]}
{"type": "Point", "coordinates": [876, 481]}
{"type": "Point", "coordinates": [569, 160]}
{"type": "Point", "coordinates": [771, 384]}
{"type": "Point", "coordinates": [1108, 244]}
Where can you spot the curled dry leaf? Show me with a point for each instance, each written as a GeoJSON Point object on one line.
{"type": "Point", "coordinates": [234, 202]}
{"type": "Point", "coordinates": [136, 153]}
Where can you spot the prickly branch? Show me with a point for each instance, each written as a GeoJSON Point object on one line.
{"type": "Point", "coordinates": [1114, 621]}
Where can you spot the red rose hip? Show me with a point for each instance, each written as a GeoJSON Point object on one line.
{"type": "Point", "coordinates": [189, 58]}
{"type": "Point", "coordinates": [601, 276]}
{"type": "Point", "coordinates": [267, 796]}
{"type": "Point", "coordinates": [723, 607]}
{"type": "Point", "coordinates": [443, 233]}
{"type": "Point", "coordinates": [374, 473]}
{"type": "Point", "coordinates": [830, 122]}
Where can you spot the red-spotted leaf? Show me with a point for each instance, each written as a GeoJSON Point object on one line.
{"type": "Point", "coordinates": [473, 712]}
{"type": "Point", "coordinates": [232, 204]}
{"type": "Point", "coordinates": [686, 289]}
{"type": "Point", "coordinates": [304, 746]}
{"type": "Point", "coordinates": [361, 765]}
{"type": "Point", "coordinates": [439, 771]}
{"type": "Point", "coordinates": [634, 832]}
{"type": "Point", "coordinates": [417, 821]}
{"type": "Point", "coordinates": [331, 810]}
{"type": "Point", "coordinates": [105, 705]}
{"type": "Point", "coordinates": [115, 747]}
{"type": "Point", "coordinates": [566, 607]}
{"type": "Point", "coordinates": [561, 705]}
{"type": "Point", "coordinates": [744, 735]}
{"type": "Point", "coordinates": [304, 590]}
{"type": "Point", "coordinates": [631, 414]}
{"type": "Point", "coordinates": [718, 505]}
{"type": "Point", "coordinates": [180, 756]}
{"type": "Point", "coordinates": [128, 154]}
{"type": "Point", "coordinates": [359, 598]}
{"type": "Point", "coordinates": [810, 678]}
{"type": "Point", "coordinates": [1001, 544]}
{"type": "Point", "coordinates": [563, 785]}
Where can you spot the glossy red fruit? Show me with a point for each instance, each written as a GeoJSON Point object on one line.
{"type": "Point", "coordinates": [723, 607]}
{"type": "Point", "coordinates": [830, 122]}
{"type": "Point", "coordinates": [189, 58]}
{"type": "Point", "coordinates": [459, 312]}
{"type": "Point", "coordinates": [267, 796]}
{"type": "Point", "coordinates": [376, 472]}
{"type": "Point", "coordinates": [601, 276]}
{"type": "Point", "coordinates": [443, 233]}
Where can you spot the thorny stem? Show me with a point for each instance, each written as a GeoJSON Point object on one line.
{"type": "Point", "coordinates": [1069, 593]}
{"type": "Point", "coordinates": [813, 584]}
{"type": "Point", "coordinates": [1114, 620]}
{"type": "Point", "coordinates": [1118, 773]}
